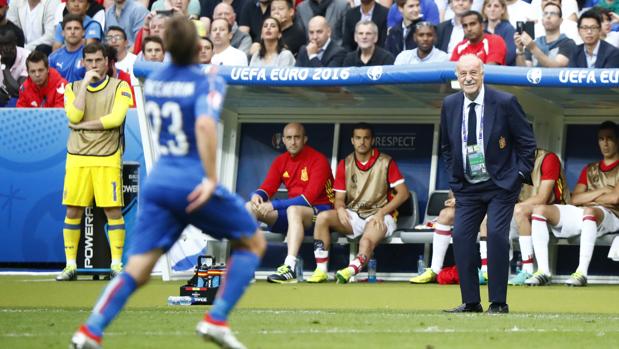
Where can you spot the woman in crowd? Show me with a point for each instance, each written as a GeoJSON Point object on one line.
{"type": "Point", "coordinates": [496, 21]}
{"type": "Point", "coordinates": [272, 51]}
{"type": "Point", "coordinates": [206, 50]}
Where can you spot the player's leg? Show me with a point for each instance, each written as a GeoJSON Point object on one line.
{"type": "Point", "coordinates": [483, 251]}
{"type": "Point", "coordinates": [299, 219]}
{"type": "Point", "coordinates": [541, 216]}
{"type": "Point", "coordinates": [326, 221]}
{"type": "Point", "coordinates": [440, 243]}
{"type": "Point", "coordinates": [269, 218]}
{"type": "Point", "coordinates": [522, 218]}
{"type": "Point", "coordinates": [116, 235]}
{"type": "Point", "coordinates": [591, 219]}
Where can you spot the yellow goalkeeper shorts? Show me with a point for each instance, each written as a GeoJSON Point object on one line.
{"type": "Point", "coordinates": [82, 184]}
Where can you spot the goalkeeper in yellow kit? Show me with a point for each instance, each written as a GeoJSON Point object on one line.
{"type": "Point", "coordinates": [96, 108]}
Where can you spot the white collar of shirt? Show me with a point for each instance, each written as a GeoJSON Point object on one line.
{"type": "Point", "coordinates": [591, 59]}
{"type": "Point", "coordinates": [429, 56]}
{"type": "Point", "coordinates": [479, 99]}
{"type": "Point", "coordinates": [367, 16]}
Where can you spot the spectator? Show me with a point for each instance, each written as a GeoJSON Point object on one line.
{"type": "Point", "coordinates": [368, 10]}
{"type": "Point", "coordinates": [608, 35]}
{"type": "Point", "coordinates": [207, 7]}
{"type": "Point", "coordinates": [153, 49]}
{"type": "Point", "coordinates": [367, 53]}
{"type": "Point", "coordinates": [489, 48]}
{"type": "Point", "coordinates": [611, 5]}
{"type": "Point", "coordinates": [552, 50]}
{"type": "Point", "coordinates": [205, 54]}
{"type": "Point", "coordinates": [321, 51]}
{"type": "Point", "coordinates": [450, 32]}
{"type": "Point", "coordinates": [520, 11]}
{"type": "Point", "coordinates": [44, 87]}
{"type": "Point", "coordinates": [7, 26]}
{"type": "Point", "coordinates": [593, 53]}
{"type": "Point", "coordinates": [568, 27]}
{"type": "Point", "coordinates": [127, 14]}
{"type": "Point", "coordinates": [306, 174]}
{"type": "Point", "coordinates": [68, 59]}
{"type": "Point", "coordinates": [569, 8]}
{"type": "Point", "coordinates": [154, 24]}
{"type": "Point", "coordinates": [400, 36]}
{"type": "Point", "coordinates": [427, 7]}
{"type": "Point", "coordinates": [95, 11]}
{"type": "Point", "coordinates": [425, 36]}
{"type": "Point", "coordinates": [272, 51]}
{"type": "Point", "coordinates": [116, 38]}
{"type": "Point", "coordinates": [240, 39]}
{"type": "Point", "coordinates": [293, 34]}
{"type": "Point", "coordinates": [332, 10]}
{"type": "Point", "coordinates": [369, 188]}
{"type": "Point", "coordinates": [93, 31]}
{"type": "Point", "coordinates": [495, 22]}
{"type": "Point", "coordinates": [593, 211]}
{"type": "Point", "coordinates": [447, 12]}
{"type": "Point", "coordinates": [192, 6]}
{"type": "Point", "coordinates": [224, 53]}
{"type": "Point", "coordinates": [253, 14]}
{"type": "Point", "coordinates": [36, 19]}
{"type": "Point", "coordinates": [13, 65]}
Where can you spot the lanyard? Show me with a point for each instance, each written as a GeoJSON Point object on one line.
{"type": "Point", "coordinates": [481, 127]}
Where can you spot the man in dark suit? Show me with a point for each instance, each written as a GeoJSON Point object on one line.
{"type": "Point", "coordinates": [321, 50]}
{"type": "Point", "coordinates": [489, 147]}
{"type": "Point", "coordinates": [593, 52]}
{"type": "Point", "coordinates": [368, 9]}
{"type": "Point", "coordinates": [450, 32]}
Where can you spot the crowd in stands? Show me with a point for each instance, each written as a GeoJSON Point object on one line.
{"type": "Point", "coordinates": [308, 33]}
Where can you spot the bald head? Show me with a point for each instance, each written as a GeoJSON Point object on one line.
{"type": "Point", "coordinates": [225, 11]}
{"type": "Point", "coordinates": [318, 31]}
{"type": "Point", "coordinates": [294, 138]}
{"type": "Point", "coordinates": [470, 72]}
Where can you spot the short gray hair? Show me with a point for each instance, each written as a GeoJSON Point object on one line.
{"type": "Point", "coordinates": [367, 22]}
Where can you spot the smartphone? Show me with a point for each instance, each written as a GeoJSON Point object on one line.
{"type": "Point", "coordinates": [527, 27]}
{"type": "Point", "coordinates": [165, 13]}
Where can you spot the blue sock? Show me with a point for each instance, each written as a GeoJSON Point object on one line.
{"type": "Point", "coordinates": [239, 274]}
{"type": "Point", "coordinates": [110, 303]}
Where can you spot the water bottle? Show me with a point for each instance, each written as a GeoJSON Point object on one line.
{"type": "Point", "coordinates": [182, 300]}
{"type": "Point", "coordinates": [372, 270]}
{"type": "Point", "coordinates": [298, 269]}
{"type": "Point", "coordinates": [421, 265]}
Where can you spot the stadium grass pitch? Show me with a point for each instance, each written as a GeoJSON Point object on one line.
{"type": "Point", "coordinates": [37, 312]}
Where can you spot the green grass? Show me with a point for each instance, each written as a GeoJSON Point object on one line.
{"type": "Point", "coordinates": [36, 312]}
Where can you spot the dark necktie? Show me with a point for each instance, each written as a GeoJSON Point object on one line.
{"type": "Point", "coordinates": [472, 130]}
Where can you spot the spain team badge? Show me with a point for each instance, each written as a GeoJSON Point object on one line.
{"type": "Point", "coordinates": [502, 142]}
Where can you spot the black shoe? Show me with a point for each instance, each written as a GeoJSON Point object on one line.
{"type": "Point", "coordinates": [283, 275]}
{"type": "Point", "coordinates": [466, 308]}
{"type": "Point", "coordinates": [498, 308]}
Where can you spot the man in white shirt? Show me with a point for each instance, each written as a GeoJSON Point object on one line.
{"type": "Point", "coordinates": [424, 36]}
{"type": "Point", "coordinates": [117, 38]}
{"type": "Point", "coordinates": [224, 53]}
{"type": "Point", "coordinates": [36, 20]}
{"type": "Point", "coordinates": [520, 11]}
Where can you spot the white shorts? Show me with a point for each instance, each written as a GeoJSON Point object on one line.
{"type": "Point", "coordinates": [358, 224]}
{"type": "Point", "coordinates": [570, 221]}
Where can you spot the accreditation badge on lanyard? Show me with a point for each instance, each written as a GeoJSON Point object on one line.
{"type": "Point", "coordinates": [475, 152]}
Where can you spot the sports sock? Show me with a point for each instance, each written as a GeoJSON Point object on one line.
{"type": "Point", "coordinates": [357, 264]}
{"type": "Point", "coordinates": [110, 303]}
{"type": "Point", "coordinates": [540, 237]}
{"type": "Point", "coordinates": [526, 249]}
{"type": "Point", "coordinates": [71, 235]}
{"type": "Point", "coordinates": [483, 253]}
{"type": "Point", "coordinates": [588, 235]}
{"type": "Point", "coordinates": [321, 255]}
{"type": "Point", "coordinates": [440, 243]}
{"type": "Point", "coordinates": [239, 274]}
{"type": "Point", "coordinates": [116, 235]}
{"type": "Point", "coordinates": [291, 261]}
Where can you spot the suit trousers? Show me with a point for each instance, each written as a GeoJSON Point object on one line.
{"type": "Point", "coordinates": [473, 202]}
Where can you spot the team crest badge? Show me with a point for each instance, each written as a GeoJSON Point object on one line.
{"type": "Point", "coordinates": [502, 142]}
{"type": "Point", "coordinates": [304, 176]}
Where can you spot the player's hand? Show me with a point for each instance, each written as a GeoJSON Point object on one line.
{"type": "Point", "coordinates": [256, 200]}
{"type": "Point", "coordinates": [92, 76]}
{"type": "Point", "coordinates": [378, 220]}
{"type": "Point", "coordinates": [343, 217]}
{"type": "Point", "coordinates": [200, 195]}
{"type": "Point", "coordinates": [265, 207]}
{"type": "Point", "coordinates": [450, 202]}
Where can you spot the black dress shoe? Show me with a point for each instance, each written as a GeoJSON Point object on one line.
{"type": "Point", "coordinates": [498, 308]}
{"type": "Point", "coordinates": [466, 308]}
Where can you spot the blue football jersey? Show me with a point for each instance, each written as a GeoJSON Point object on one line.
{"type": "Point", "coordinates": [175, 97]}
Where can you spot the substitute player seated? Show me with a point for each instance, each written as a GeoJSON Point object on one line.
{"type": "Point", "coordinates": [306, 174]}
{"type": "Point", "coordinates": [368, 189]}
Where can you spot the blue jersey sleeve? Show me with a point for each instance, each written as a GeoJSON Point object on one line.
{"type": "Point", "coordinates": [58, 34]}
{"type": "Point", "coordinates": [211, 99]}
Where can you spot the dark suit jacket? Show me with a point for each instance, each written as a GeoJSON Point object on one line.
{"type": "Point", "coordinates": [608, 57]}
{"type": "Point", "coordinates": [394, 42]}
{"type": "Point", "coordinates": [509, 143]}
{"type": "Point", "coordinates": [443, 33]}
{"type": "Point", "coordinates": [353, 15]}
{"type": "Point", "coordinates": [332, 57]}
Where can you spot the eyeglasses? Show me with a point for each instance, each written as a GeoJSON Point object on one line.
{"type": "Point", "coordinates": [589, 28]}
{"type": "Point", "coordinates": [114, 37]}
{"type": "Point", "coordinates": [551, 13]}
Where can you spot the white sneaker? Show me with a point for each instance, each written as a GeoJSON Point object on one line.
{"type": "Point", "coordinates": [220, 335]}
{"type": "Point", "coordinates": [81, 341]}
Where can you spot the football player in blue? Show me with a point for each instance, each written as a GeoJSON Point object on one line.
{"type": "Point", "coordinates": [183, 105]}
